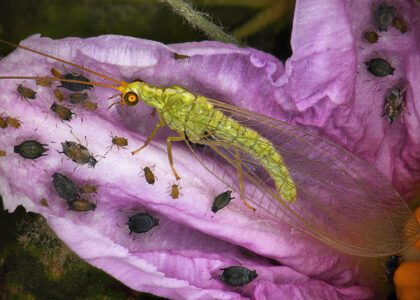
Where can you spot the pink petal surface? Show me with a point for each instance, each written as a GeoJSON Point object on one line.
{"type": "Point", "coordinates": [183, 256]}
{"type": "Point", "coordinates": [323, 86]}
{"type": "Point", "coordinates": [327, 78]}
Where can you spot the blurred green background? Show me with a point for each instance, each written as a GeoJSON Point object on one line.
{"type": "Point", "coordinates": [34, 264]}
{"type": "Point", "coordinates": [263, 24]}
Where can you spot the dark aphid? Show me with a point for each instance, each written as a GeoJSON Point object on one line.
{"type": "Point", "coordinates": [148, 174]}
{"type": "Point", "coordinates": [89, 105]}
{"type": "Point", "coordinates": [379, 67]}
{"type": "Point", "coordinates": [65, 188]}
{"type": "Point", "coordinates": [119, 141]}
{"type": "Point", "coordinates": [391, 265]}
{"type": "Point", "coordinates": [44, 202]}
{"type": "Point", "coordinates": [62, 112]}
{"type": "Point", "coordinates": [400, 25]}
{"type": "Point", "coordinates": [31, 149]}
{"type": "Point", "coordinates": [78, 153]}
{"type": "Point", "coordinates": [384, 15]}
{"type": "Point", "coordinates": [221, 201]}
{"type": "Point", "coordinates": [45, 82]}
{"type": "Point", "coordinates": [75, 87]}
{"type": "Point", "coordinates": [81, 205]}
{"type": "Point", "coordinates": [26, 92]}
{"type": "Point", "coordinates": [3, 122]}
{"type": "Point", "coordinates": [141, 222]}
{"type": "Point", "coordinates": [88, 188]}
{"type": "Point", "coordinates": [371, 36]}
{"type": "Point", "coordinates": [175, 191]}
{"type": "Point", "coordinates": [2, 153]}
{"type": "Point", "coordinates": [237, 276]}
{"type": "Point", "coordinates": [394, 104]}
{"type": "Point", "coordinates": [58, 95]}
{"type": "Point", "coordinates": [77, 98]}
{"type": "Point", "coordinates": [178, 56]}
{"type": "Point", "coordinates": [13, 122]}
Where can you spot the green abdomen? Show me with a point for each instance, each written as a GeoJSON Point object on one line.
{"type": "Point", "coordinates": [197, 117]}
{"type": "Point", "coordinates": [260, 148]}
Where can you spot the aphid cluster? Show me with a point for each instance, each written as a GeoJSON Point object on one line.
{"type": "Point", "coordinates": [67, 190]}
{"type": "Point", "coordinates": [77, 97]}
{"type": "Point", "coordinates": [384, 16]}
{"type": "Point", "coordinates": [253, 146]}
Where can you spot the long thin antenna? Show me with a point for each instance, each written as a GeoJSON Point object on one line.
{"type": "Point", "coordinates": [64, 80]}
{"type": "Point", "coordinates": [65, 62]}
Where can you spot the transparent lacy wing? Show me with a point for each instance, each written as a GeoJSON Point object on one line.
{"type": "Point", "coordinates": [341, 199]}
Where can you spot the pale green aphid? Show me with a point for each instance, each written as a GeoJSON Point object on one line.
{"type": "Point", "coordinates": [293, 175]}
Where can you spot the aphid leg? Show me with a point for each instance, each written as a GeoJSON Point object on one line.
{"type": "Point", "coordinates": [241, 180]}
{"type": "Point", "coordinates": [161, 124]}
{"type": "Point", "coordinates": [169, 140]}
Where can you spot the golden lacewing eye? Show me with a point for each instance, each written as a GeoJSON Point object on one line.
{"type": "Point", "coordinates": [131, 98]}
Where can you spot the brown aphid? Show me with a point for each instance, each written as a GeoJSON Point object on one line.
{"type": "Point", "coordinates": [178, 56]}
{"type": "Point", "coordinates": [13, 122]}
{"type": "Point", "coordinates": [25, 92]}
{"type": "Point", "coordinates": [56, 73]}
{"type": "Point", "coordinates": [399, 24]}
{"type": "Point", "coordinates": [394, 104]}
{"type": "Point", "coordinates": [175, 191]}
{"type": "Point", "coordinates": [88, 188]}
{"type": "Point", "coordinates": [58, 95]}
{"type": "Point", "coordinates": [3, 122]}
{"type": "Point", "coordinates": [119, 141]}
{"type": "Point", "coordinates": [45, 82]}
{"type": "Point", "coordinates": [148, 174]}
{"type": "Point", "coordinates": [371, 36]}
{"type": "Point", "coordinates": [77, 98]}
{"type": "Point", "coordinates": [2, 153]}
{"type": "Point", "coordinates": [78, 153]}
{"type": "Point", "coordinates": [44, 202]}
{"type": "Point", "coordinates": [81, 205]}
{"type": "Point", "coordinates": [89, 105]}
{"type": "Point", "coordinates": [62, 112]}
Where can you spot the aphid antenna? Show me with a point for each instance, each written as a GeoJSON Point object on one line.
{"type": "Point", "coordinates": [151, 233]}
{"type": "Point", "coordinates": [113, 103]}
{"type": "Point", "coordinates": [119, 83]}
{"type": "Point", "coordinates": [78, 140]}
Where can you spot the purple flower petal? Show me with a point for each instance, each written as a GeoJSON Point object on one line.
{"type": "Point", "coordinates": [333, 91]}
{"type": "Point", "coordinates": [184, 255]}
